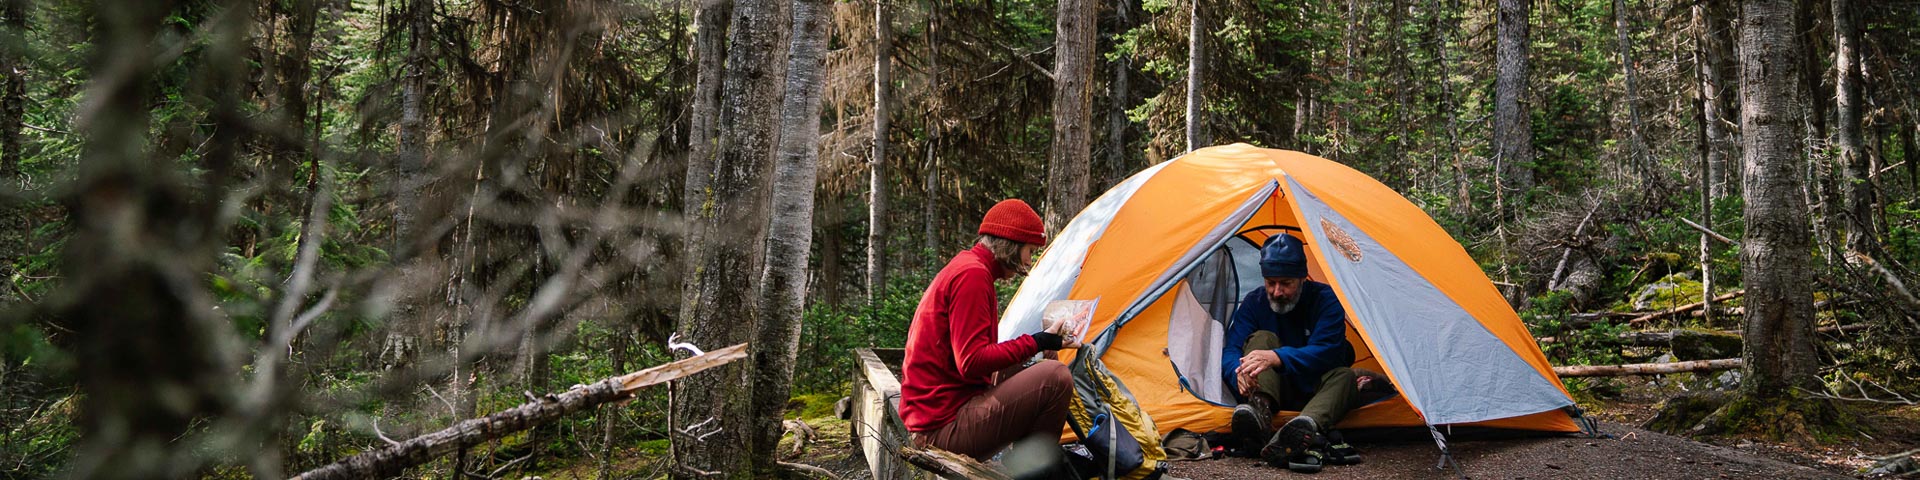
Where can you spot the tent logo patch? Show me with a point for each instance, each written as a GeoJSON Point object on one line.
{"type": "Point", "coordinates": [1341, 241]}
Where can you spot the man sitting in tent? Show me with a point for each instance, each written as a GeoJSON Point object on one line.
{"type": "Point", "coordinates": [1287, 349]}
{"type": "Point", "coordinates": [949, 396]}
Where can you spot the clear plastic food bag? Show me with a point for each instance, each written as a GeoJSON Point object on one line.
{"type": "Point", "coordinates": [1078, 315]}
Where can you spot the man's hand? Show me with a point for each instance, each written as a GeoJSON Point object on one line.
{"type": "Point", "coordinates": [1251, 366]}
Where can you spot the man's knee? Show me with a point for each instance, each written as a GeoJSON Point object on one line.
{"type": "Point", "coordinates": [1338, 374]}
{"type": "Point", "coordinates": [1261, 340]}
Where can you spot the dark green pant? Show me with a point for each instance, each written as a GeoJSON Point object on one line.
{"type": "Point", "coordinates": [1327, 405]}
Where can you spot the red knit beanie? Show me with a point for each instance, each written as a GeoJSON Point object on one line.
{"type": "Point", "coordinates": [1014, 220]}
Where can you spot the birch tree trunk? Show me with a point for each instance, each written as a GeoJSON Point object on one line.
{"type": "Point", "coordinates": [733, 223]}
{"type": "Point", "coordinates": [1074, 32]}
{"type": "Point", "coordinates": [783, 286]}
{"type": "Point", "coordinates": [1196, 71]}
{"type": "Point", "coordinates": [1776, 251]}
{"type": "Point", "coordinates": [877, 171]}
{"type": "Point", "coordinates": [1512, 129]}
{"type": "Point", "coordinates": [1855, 186]}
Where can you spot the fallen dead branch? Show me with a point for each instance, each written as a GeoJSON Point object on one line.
{"type": "Point", "coordinates": [395, 459]}
{"type": "Point", "coordinates": [1647, 368]}
{"type": "Point", "coordinates": [809, 470]}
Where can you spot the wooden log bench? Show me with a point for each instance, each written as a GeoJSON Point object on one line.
{"type": "Point", "coordinates": [882, 436]}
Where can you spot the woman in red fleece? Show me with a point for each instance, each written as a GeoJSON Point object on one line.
{"type": "Point", "coordinates": [948, 396]}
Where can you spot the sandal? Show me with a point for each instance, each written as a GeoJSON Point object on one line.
{"type": "Point", "coordinates": [1309, 461]}
{"type": "Point", "coordinates": [1338, 452]}
{"type": "Point", "coordinates": [1296, 446]}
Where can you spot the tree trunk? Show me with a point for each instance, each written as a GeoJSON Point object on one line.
{"type": "Point", "coordinates": [930, 185]}
{"type": "Point", "coordinates": [1855, 184]}
{"type": "Point", "coordinates": [783, 286]}
{"type": "Point", "coordinates": [410, 144]}
{"type": "Point", "coordinates": [733, 224]}
{"type": "Point", "coordinates": [158, 337]}
{"type": "Point", "coordinates": [1710, 52]}
{"type": "Point", "coordinates": [1907, 145]}
{"type": "Point", "coordinates": [1196, 75]}
{"type": "Point", "coordinates": [1639, 154]}
{"type": "Point", "coordinates": [289, 149]}
{"type": "Point", "coordinates": [1718, 98]}
{"type": "Point", "coordinates": [1777, 246]}
{"type": "Point", "coordinates": [1074, 32]}
{"type": "Point", "coordinates": [617, 355]}
{"type": "Point", "coordinates": [1443, 22]}
{"type": "Point", "coordinates": [13, 96]}
{"type": "Point", "coordinates": [710, 50]}
{"type": "Point", "coordinates": [15, 232]}
{"type": "Point", "coordinates": [1512, 129]}
{"type": "Point", "coordinates": [1120, 96]}
{"type": "Point", "coordinates": [1340, 121]}
{"type": "Point", "coordinates": [877, 171]}
{"type": "Point", "coordinates": [830, 265]}
{"type": "Point", "coordinates": [406, 325]}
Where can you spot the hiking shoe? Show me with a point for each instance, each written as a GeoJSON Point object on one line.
{"type": "Point", "coordinates": [1251, 425]}
{"type": "Point", "coordinates": [1296, 441]}
{"type": "Point", "coordinates": [1338, 452]}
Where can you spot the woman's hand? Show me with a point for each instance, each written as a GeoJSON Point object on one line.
{"type": "Point", "coordinates": [1067, 340]}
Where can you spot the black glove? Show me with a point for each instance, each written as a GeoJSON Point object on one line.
{"type": "Point", "coordinates": [1047, 341]}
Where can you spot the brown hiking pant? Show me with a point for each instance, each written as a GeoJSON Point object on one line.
{"type": "Point", "coordinates": [1030, 402]}
{"type": "Point", "coordinates": [1329, 402]}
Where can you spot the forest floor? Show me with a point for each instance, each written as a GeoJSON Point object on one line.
{"type": "Point", "coordinates": [1633, 452]}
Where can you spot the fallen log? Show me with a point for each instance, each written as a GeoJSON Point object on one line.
{"type": "Point", "coordinates": [1646, 368]}
{"type": "Point", "coordinates": [398, 456]}
{"type": "Point", "coordinates": [948, 464]}
{"type": "Point", "coordinates": [1582, 320]}
{"type": "Point", "coordinates": [1683, 308]}
{"type": "Point", "coordinates": [1842, 328]}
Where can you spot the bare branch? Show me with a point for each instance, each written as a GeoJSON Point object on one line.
{"type": "Point", "coordinates": [1710, 233]}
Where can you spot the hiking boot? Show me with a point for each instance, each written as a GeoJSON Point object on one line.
{"type": "Point", "coordinates": [1296, 446]}
{"type": "Point", "coordinates": [1252, 423]}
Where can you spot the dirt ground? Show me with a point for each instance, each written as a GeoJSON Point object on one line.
{"type": "Point", "coordinates": [1633, 453]}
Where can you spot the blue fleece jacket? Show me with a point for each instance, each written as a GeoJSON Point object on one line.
{"type": "Point", "coordinates": [1313, 336]}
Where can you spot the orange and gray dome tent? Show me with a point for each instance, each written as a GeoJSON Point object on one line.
{"type": "Point", "coordinates": [1167, 253]}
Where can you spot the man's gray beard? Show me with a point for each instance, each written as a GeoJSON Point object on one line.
{"type": "Point", "coordinates": [1282, 308]}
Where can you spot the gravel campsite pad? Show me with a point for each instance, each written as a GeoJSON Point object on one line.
{"type": "Point", "coordinates": [1634, 453]}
